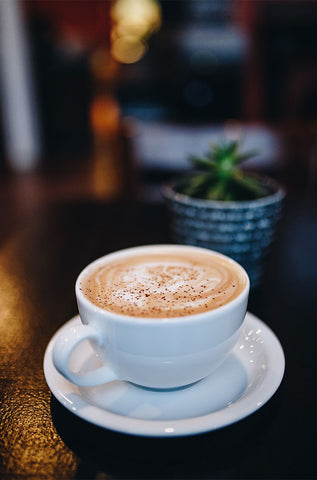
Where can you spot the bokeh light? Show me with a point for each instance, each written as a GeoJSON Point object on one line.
{"type": "Point", "coordinates": [134, 21]}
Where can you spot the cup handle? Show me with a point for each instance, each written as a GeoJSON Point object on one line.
{"type": "Point", "coordinates": [63, 348]}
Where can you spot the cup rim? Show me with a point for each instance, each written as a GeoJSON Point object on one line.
{"type": "Point", "coordinates": [158, 320]}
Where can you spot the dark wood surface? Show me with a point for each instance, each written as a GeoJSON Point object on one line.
{"type": "Point", "coordinates": [41, 255]}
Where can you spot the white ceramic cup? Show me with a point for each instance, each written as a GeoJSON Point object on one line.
{"type": "Point", "coordinates": [156, 353]}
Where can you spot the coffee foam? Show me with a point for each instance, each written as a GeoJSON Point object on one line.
{"type": "Point", "coordinates": [164, 285]}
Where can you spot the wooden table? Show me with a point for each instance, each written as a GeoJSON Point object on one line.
{"type": "Point", "coordinates": [40, 258]}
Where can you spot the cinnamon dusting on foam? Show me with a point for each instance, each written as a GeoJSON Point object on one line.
{"type": "Point", "coordinates": [164, 285]}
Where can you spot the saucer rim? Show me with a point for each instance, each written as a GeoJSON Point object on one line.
{"type": "Point", "coordinates": [244, 406]}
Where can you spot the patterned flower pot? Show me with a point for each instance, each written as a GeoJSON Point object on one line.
{"type": "Point", "coordinates": [242, 230]}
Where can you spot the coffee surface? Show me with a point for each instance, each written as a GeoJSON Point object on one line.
{"type": "Point", "coordinates": [164, 285]}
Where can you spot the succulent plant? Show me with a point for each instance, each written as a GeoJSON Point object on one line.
{"type": "Point", "coordinates": [221, 177]}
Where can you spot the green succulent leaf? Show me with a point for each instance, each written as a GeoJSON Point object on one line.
{"type": "Point", "coordinates": [251, 185]}
{"type": "Point", "coordinates": [221, 177]}
{"type": "Point", "coordinates": [245, 156]}
{"type": "Point", "coordinates": [196, 185]}
{"type": "Point", "coordinates": [232, 147]}
{"type": "Point", "coordinates": [204, 163]}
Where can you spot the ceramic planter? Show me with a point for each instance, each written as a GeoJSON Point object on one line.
{"type": "Point", "coordinates": [242, 230]}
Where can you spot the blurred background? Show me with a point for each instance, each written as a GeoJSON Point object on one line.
{"type": "Point", "coordinates": [107, 99]}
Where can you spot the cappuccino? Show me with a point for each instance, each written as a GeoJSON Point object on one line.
{"type": "Point", "coordinates": [164, 284]}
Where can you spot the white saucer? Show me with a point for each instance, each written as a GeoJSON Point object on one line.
{"type": "Point", "coordinates": [241, 385]}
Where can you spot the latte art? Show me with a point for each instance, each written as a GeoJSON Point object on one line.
{"type": "Point", "coordinates": [164, 285]}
